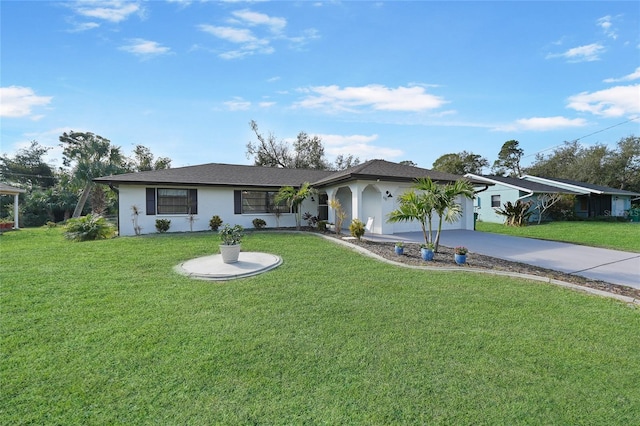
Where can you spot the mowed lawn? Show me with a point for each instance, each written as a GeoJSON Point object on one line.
{"type": "Point", "coordinates": [106, 333]}
{"type": "Point", "coordinates": [614, 235]}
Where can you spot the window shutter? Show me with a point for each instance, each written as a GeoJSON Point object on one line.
{"type": "Point", "coordinates": [151, 201]}
{"type": "Point", "coordinates": [237, 202]}
{"type": "Point", "coordinates": [193, 201]}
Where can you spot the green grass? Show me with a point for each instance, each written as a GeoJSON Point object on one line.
{"type": "Point", "coordinates": [619, 236]}
{"type": "Point", "coordinates": [106, 333]}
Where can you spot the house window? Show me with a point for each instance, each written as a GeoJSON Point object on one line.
{"type": "Point", "coordinates": [495, 201]}
{"type": "Point", "coordinates": [261, 202]}
{"type": "Point", "coordinates": [584, 204]}
{"type": "Point", "coordinates": [172, 201]}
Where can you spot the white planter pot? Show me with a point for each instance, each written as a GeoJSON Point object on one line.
{"type": "Point", "coordinates": [230, 254]}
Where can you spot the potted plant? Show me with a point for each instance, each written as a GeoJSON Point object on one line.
{"type": "Point", "coordinates": [460, 254]}
{"type": "Point", "coordinates": [231, 237]}
{"type": "Point", "coordinates": [426, 251]}
{"type": "Point", "coordinates": [399, 248]}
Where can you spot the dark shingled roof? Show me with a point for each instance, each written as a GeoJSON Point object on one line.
{"type": "Point", "coordinates": [386, 170]}
{"type": "Point", "coordinates": [215, 174]}
{"type": "Point", "coordinates": [220, 175]}
{"type": "Point", "coordinates": [528, 185]}
{"type": "Point", "coordinates": [597, 188]}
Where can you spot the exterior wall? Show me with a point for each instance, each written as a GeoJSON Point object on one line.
{"type": "Point", "coordinates": [486, 213]}
{"type": "Point", "coordinates": [369, 199]}
{"type": "Point", "coordinates": [211, 201]}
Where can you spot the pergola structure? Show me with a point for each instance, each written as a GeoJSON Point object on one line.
{"type": "Point", "coordinates": [11, 190]}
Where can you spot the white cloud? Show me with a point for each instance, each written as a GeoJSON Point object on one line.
{"type": "Point", "coordinates": [247, 41]}
{"type": "Point", "coordinates": [587, 53]}
{"type": "Point", "coordinates": [549, 123]}
{"type": "Point", "coordinates": [17, 101]}
{"type": "Point", "coordinates": [357, 145]}
{"type": "Point", "coordinates": [616, 101]}
{"type": "Point", "coordinates": [629, 77]}
{"type": "Point", "coordinates": [84, 26]}
{"type": "Point", "coordinates": [607, 27]}
{"type": "Point", "coordinates": [266, 104]}
{"type": "Point", "coordinates": [251, 18]}
{"type": "Point", "coordinates": [111, 10]}
{"type": "Point", "coordinates": [373, 96]}
{"type": "Point", "coordinates": [238, 104]}
{"type": "Point", "coordinates": [145, 48]}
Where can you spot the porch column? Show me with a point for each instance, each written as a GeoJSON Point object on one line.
{"type": "Point", "coordinates": [15, 211]}
{"type": "Point", "coordinates": [356, 201]}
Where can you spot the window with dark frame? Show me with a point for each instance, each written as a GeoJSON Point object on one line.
{"type": "Point", "coordinates": [495, 201]}
{"type": "Point", "coordinates": [173, 200]}
{"type": "Point", "coordinates": [262, 202]}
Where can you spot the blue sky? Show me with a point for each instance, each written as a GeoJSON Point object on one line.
{"type": "Point", "coordinates": [391, 80]}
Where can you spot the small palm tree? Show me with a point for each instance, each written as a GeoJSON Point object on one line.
{"type": "Point", "coordinates": [445, 204]}
{"type": "Point", "coordinates": [294, 198]}
{"type": "Point", "coordinates": [415, 206]}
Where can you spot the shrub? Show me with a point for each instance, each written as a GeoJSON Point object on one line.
{"type": "Point", "coordinates": [163, 225]}
{"type": "Point", "coordinates": [89, 228]}
{"type": "Point", "coordinates": [322, 225]}
{"type": "Point", "coordinates": [516, 214]}
{"type": "Point", "coordinates": [356, 228]}
{"type": "Point", "coordinates": [258, 223]}
{"type": "Point", "coordinates": [311, 219]}
{"type": "Point", "coordinates": [215, 222]}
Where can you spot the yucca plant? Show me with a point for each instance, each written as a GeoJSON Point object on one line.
{"type": "Point", "coordinates": [517, 214]}
{"type": "Point", "coordinates": [88, 228]}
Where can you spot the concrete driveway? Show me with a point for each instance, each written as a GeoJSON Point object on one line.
{"type": "Point", "coordinates": [612, 266]}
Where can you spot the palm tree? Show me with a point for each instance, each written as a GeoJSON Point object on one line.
{"type": "Point", "coordinates": [445, 203]}
{"type": "Point", "coordinates": [294, 198]}
{"type": "Point", "coordinates": [416, 206]}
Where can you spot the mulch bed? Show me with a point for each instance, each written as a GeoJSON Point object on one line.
{"type": "Point", "coordinates": [444, 258]}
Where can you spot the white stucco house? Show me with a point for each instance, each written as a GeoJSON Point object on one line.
{"type": "Point", "coordinates": [590, 200]}
{"type": "Point", "coordinates": [241, 193]}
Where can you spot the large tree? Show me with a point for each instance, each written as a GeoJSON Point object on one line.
{"type": "Point", "coordinates": [28, 167]}
{"type": "Point", "coordinates": [461, 163]}
{"type": "Point", "coordinates": [144, 160]}
{"type": "Point", "coordinates": [306, 152]}
{"type": "Point", "coordinates": [90, 156]}
{"type": "Point", "coordinates": [509, 159]}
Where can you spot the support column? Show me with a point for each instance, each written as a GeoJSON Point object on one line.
{"type": "Point", "coordinates": [16, 225]}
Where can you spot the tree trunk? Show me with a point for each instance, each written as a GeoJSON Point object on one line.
{"type": "Point", "coordinates": [83, 199]}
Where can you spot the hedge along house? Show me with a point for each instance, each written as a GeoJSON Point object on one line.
{"type": "Point", "coordinates": [507, 189]}
{"type": "Point", "coordinates": [190, 196]}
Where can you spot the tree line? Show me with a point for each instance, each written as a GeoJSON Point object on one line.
{"type": "Point", "coordinates": [56, 194]}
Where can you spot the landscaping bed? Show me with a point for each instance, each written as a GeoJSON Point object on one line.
{"type": "Point", "coordinates": [444, 258]}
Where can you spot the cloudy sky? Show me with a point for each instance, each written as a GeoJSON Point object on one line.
{"type": "Point", "coordinates": [392, 80]}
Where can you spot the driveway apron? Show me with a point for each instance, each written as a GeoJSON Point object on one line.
{"type": "Point", "coordinates": [612, 266]}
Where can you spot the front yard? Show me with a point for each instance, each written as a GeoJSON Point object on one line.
{"type": "Point", "coordinates": [105, 333]}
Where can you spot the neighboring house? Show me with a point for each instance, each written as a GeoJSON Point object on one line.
{"type": "Point", "coordinates": [591, 200]}
{"type": "Point", "coordinates": [239, 194]}
{"type": "Point", "coordinates": [506, 189]}
{"type": "Point", "coordinates": [11, 190]}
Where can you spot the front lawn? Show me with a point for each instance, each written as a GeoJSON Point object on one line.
{"type": "Point", "coordinates": [106, 333]}
{"type": "Point", "coordinates": [613, 235]}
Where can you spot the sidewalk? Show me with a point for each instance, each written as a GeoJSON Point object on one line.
{"type": "Point", "coordinates": [612, 266]}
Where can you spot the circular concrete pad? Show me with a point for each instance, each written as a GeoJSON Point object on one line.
{"type": "Point", "coordinates": [213, 268]}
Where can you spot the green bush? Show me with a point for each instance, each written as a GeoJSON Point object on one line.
{"type": "Point", "coordinates": [215, 222]}
{"type": "Point", "coordinates": [89, 228]}
{"type": "Point", "coordinates": [259, 223]}
{"type": "Point", "coordinates": [163, 225]}
{"type": "Point", "coordinates": [356, 228]}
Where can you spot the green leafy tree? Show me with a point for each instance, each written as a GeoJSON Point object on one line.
{"type": "Point", "coordinates": [294, 197]}
{"type": "Point", "coordinates": [509, 159]}
{"type": "Point", "coordinates": [90, 156]}
{"type": "Point", "coordinates": [343, 162]}
{"type": "Point", "coordinates": [144, 160]}
{"type": "Point", "coordinates": [516, 214]}
{"type": "Point", "coordinates": [28, 168]}
{"type": "Point", "coordinates": [461, 163]}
